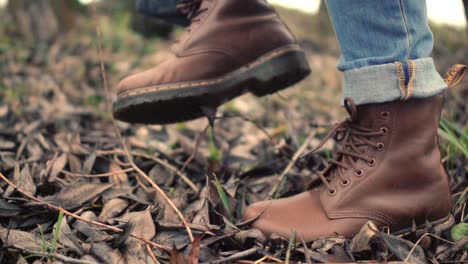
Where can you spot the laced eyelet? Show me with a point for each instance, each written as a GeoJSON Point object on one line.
{"type": "Point", "coordinates": [380, 146]}
{"type": "Point", "coordinates": [384, 131]}
{"type": "Point", "coordinates": [385, 115]}
{"type": "Point", "coordinates": [345, 182]}
{"type": "Point", "coordinates": [332, 192]}
{"type": "Point", "coordinates": [372, 162]}
{"type": "Point", "coordinates": [359, 173]}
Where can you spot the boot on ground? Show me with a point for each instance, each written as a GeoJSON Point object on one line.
{"type": "Point", "coordinates": [388, 171]}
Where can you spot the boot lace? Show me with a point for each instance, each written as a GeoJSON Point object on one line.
{"type": "Point", "coordinates": [355, 138]}
{"type": "Point", "coordinates": [192, 10]}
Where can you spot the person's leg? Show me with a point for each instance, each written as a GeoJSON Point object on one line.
{"type": "Point", "coordinates": [386, 48]}
{"type": "Point", "coordinates": [389, 168]}
{"type": "Point", "coordinates": [163, 9]}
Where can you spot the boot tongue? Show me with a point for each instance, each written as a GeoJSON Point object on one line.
{"type": "Point", "coordinates": [365, 116]}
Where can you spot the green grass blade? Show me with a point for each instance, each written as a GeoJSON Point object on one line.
{"type": "Point", "coordinates": [463, 134]}
{"type": "Point", "coordinates": [44, 243]}
{"type": "Point", "coordinates": [224, 198]}
{"type": "Point", "coordinates": [452, 139]}
{"type": "Point", "coordinates": [292, 242]}
{"type": "Point", "coordinates": [56, 233]}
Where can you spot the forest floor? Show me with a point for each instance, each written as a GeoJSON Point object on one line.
{"type": "Point", "coordinates": [74, 191]}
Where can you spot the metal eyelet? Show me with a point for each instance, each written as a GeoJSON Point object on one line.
{"type": "Point", "coordinates": [380, 146]}
{"type": "Point", "coordinates": [384, 131]}
{"type": "Point", "coordinates": [345, 182]}
{"type": "Point", "coordinates": [372, 162]}
{"type": "Point", "coordinates": [332, 192]}
{"type": "Point", "coordinates": [385, 115]}
{"type": "Point", "coordinates": [359, 173]}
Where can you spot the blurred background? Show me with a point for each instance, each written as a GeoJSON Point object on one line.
{"type": "Point", "coordinates": [49, 63]}
{"type": "Point", "coordinates": [56, 40]}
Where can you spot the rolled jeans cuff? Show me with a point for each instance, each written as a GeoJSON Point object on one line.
{"type": "Point", "coordinates": [383, 83]}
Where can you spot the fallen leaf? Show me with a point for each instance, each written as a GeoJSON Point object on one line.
{"type": "Point", "coordinates": [112, 208]}
{"type": "Point", "coordinates": [76, 195]}
{"type": "Point", "coordinates": [68, 238]}
{"type": "Point", "coordinates": [57, 166]}
{"type": "Point", "coordinates": [20, 239]}
{"type": "Point", "coordinates": [8, 209]}
{"type": "Point", "coordinates": [401, 248]}
{"type": "Point", "coordinates": [361, 242]}
{"type": "Point", "coordinates": [142, 222]}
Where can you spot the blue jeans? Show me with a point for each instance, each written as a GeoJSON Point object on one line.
{"type": "Point", "coordinates": [164, 9]}
{"type": "Point", "coordinates": [386, 47]}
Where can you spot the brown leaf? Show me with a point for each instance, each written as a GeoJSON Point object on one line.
{"type": "Point", "coordinates": [176, 257]}
{"type": "Point", "coordinates": [119, 178]}
{"type": "Point", "coordinates": [7, 209]}
{"type": "Point", "coordinates": [93, 233]}
{"type": "Point", "coordinates": [106, 254]}
{"type": "Point", "coordinates": [195, 248]}
{"type": "Point", "coordinates": [68, 238]}
{"type": "Point", "coordinates": [75, 163]}
{"type": "Point", "coordinates": [112, 208]}
{"type": "Point", "coordinates": [57, 166]}
{"type": "Point", "coordinates": [89, 163]}
{"type": "Point", "coordinates": [142, 222]}
{"type": "Point", "coordinates": [361, 241]}
{"type": "Point", "coordinates": [20, 239]}
{"type": "Point", "coordinates": [76, 195]}
{"type": "Point", "coordinates": [23, 180]}
{"type": "Point", "coordinates": [401, 248]}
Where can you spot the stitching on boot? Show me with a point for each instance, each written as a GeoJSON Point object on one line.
{"type": "Point", "coordinates": [139, 91]}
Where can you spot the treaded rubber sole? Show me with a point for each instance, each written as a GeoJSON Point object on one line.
{"type": "Point", "coordinates": [179, 102]}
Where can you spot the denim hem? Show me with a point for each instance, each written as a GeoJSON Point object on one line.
{"type": "Point", "coordinates": [380, 83]}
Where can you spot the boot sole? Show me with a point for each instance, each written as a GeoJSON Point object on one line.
{"type": "Point", "coordinates": [164, 104]}
{"type": "Point", "coordinates": [443, 224]}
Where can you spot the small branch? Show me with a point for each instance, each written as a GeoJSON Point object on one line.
{"type": "Point", "coordinates": [236, 256]}
{"type": "Point", "coordinates": [151, 253]}
{"type": "Point", "coordinates": [195, 149]}
{"type": "Point", "coordinates": [59, 209]}
{"type": "Point", "coordinates": [282, 177]}
{"type": "Point", "coordinates": [157, 160]}
{"type": "Point", "coordinates": [96, 175]}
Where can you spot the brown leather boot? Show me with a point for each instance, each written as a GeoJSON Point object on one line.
{"type": "Point", "coordinates": [232, 47]}
{"type": "Point", "coordinates": [388, 170]}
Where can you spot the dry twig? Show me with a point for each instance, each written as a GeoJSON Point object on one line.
{"type": "Point", "coordinates": [297, 155]}
{"type": "Point", "coordinates": [65, 212]}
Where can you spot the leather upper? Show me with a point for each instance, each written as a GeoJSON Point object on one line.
{"type": "Point", "coordinates": [407, 182]}
{"type": "Point", "coordinates": [224, 36]}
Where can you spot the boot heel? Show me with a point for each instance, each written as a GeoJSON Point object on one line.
{"type": "Point", "coordinates": [279, 73]}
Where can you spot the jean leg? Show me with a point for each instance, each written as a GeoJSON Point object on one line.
{"type": "Point", "coordinates": [164, 9]}
{"type": "Point", "coordinates": [386, 47]}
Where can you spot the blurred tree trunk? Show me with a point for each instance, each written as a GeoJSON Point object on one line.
{"type": "Point", "coordinates": [325, 24]}
{"type": "Point", "coordinates": [42, 20]}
